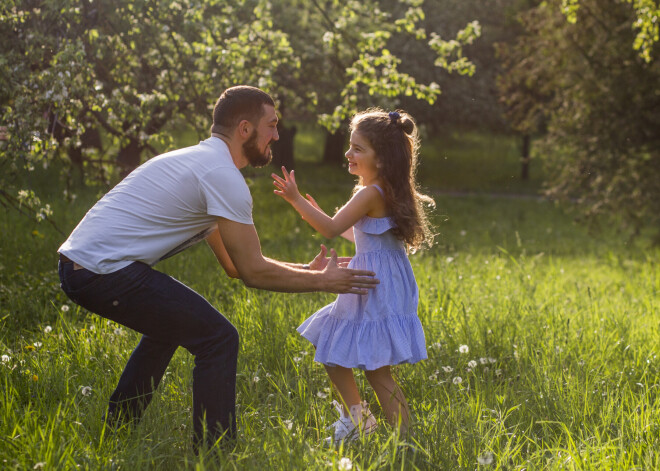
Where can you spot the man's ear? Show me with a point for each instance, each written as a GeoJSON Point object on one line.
{"type": "Point", "coordinates": [245, 128]}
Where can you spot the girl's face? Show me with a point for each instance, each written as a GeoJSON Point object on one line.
{"type": "Point", "coordinates": [362, 160]}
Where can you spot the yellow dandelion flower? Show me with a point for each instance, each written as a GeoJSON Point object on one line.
{"type": "Point", "coordinates": [35, 378]}
{"type": "Point", "coordinates": [29, 347]}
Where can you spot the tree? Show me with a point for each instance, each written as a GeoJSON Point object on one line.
{"type": "Point", "coordinates": [347, 61]}
{"type": "Point", "coordinates": [106, 82]}
{"type": "Point", "coordinates": [598, 97]}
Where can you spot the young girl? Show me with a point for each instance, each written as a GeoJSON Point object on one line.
{"type": "Point", "coordinates": [376, 330]}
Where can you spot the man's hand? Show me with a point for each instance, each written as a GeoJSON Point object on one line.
{"type": "Point", "coordinates": [321, 261]}
{"type": "Point", "coordinates": [347, 280]}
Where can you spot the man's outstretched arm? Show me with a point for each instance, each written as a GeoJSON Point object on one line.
{"type": "Point", "coordinates": [244, 249]}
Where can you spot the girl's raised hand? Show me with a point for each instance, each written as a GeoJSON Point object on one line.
{"type": "Point", "coordinates": [286, 187]}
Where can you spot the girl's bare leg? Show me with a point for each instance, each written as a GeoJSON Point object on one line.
{"type": "Point", "coordinates": [391, 398]}
{"type": "Point", "coordinates": [343, 380]}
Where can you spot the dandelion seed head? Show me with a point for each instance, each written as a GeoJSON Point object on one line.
{"type": "Point", "coordinates": [297, 359]}
{"type": "Point", "coordinates": [48, 329]}
{"type": "Point", "coordinates": [498, 372]}
{"type": "Point", "coordinates": [447, 369]}
{"type": "Point", "coordinates": [321, 394]}
{"type": "Point", "coordinates": [255, 379]}
{"type": "Point", "coordinates": [38, 344]}
{"type": "Point", "coordinates": [86, 391]}
{"type": "Point", "coordinates": [65, 307]}
{"type": "Point", "coordinates": [472, 364]}
{"type": "Point", "coordinates": [345, 464]}
{"type": "Point", "coordinates": [485, 459]}
{"type": "Point", "coordinates": [492, 360]}
{"type": "Point", "coordinates": [457, 380]}
{"type": "Point", "coordinates": [288, 424]}
{"type": "Point", "coordinates": [483, 361]}
{"type": "Point", "coordinates": [5, 359]}
{"type": "Point", "coordinates": [463, 349]}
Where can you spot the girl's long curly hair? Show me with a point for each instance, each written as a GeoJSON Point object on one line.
{"type": "Point", "coordinates": [394, 139]}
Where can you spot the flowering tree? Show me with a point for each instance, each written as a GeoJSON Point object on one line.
{"type": "Point", "coordinates": [101, 84]}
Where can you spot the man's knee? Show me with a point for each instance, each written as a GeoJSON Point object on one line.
{"type": "Point", "coordinates": [225, 338]}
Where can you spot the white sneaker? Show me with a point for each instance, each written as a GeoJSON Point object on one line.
{"type": "Point", "coordinates": [350, 427]}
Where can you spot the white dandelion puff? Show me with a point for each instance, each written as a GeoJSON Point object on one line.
{"type": "Point", "coordinates": [498, 372]}
{"type": "Point", "coordinates": [65, 308]}
{"type": "Point", "coordinates": [86, 391]}
{"type": "Point", "coordinates": [483, 361]}
{"type": "Point", "coordinates": [345, 464]}
{"type": "Point", "coordinates": [48, 329]}
{"type": "Point", "coordinates": [492, 360]}
{"type": "Point", "coordinates": [288, 424]}
{"type": "Point", "coordinates": [5, 359]}
{"type": "Point", "coordinates": [472, 364]}
{"type": "Point", "coordinates": [485, 459]}
{"type": "Point", "coordinates": [447, 369]}
{"type": "Point", "coordinates": [297, 359]}
{"type": "Point", "coordinates": [463, 349]}
{"type": "Point", "coordinates": [321, 394]}
{"type": "Point", "coordinates": [457, 380]}
{"type": "Point", "coordinates": [38, 344]}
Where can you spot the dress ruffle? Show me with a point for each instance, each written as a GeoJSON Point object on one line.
{"type": "Point", "coordinates": [367, 345]}
{"type": "Point", "coordinates": [374, 225]}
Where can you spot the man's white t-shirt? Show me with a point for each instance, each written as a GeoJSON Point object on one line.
{"type": "Point", "coordinates": [164, 206]}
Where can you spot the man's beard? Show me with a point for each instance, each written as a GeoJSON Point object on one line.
{"type": "Point", "coordinates": [255, 157]}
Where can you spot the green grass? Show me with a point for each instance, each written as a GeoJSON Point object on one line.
{"type": "Point", "coordinates": [562, 325]}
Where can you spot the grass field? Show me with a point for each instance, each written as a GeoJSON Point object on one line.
{"type": "Point", "coordinates": [559, 329]}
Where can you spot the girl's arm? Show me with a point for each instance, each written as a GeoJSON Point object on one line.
{"type": "Point", "coordinates": [358, 206]}
{"type": "Point", "coordinates": [347, 234]}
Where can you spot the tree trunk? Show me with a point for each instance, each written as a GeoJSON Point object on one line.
{"type": "Point", "coordinates": [525, 157]}
{"type": "Point", "coordinates": [335, 143]}
{"type": "Point", "coordinates": [128, 158]}
{"type": "Point", "coordinates": [283, 148]}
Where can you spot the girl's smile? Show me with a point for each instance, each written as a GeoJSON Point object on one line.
{"type": "Point", "coordinates": [362, 160]}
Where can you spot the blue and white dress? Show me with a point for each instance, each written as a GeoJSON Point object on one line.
{"type": "Point", "coordinates": [379, 328]}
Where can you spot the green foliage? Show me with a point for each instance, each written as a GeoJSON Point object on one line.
{"type": "Point", "coordinates": [347, 48]}
{"type": "Point", "coordinates": [101, 83]}
{"type": "Point", "coordinates": [647, 22]}
{"type": "Point", "coordinates": [597, 98]}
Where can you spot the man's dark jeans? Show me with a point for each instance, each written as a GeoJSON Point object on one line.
{"type": "Point", "coordinates": [168, 314]}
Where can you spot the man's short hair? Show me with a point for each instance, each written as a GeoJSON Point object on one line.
{"type": "Point", "coordinates": [239, 103]}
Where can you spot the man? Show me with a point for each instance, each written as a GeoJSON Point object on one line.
{"type": "Point", "coordinates": [164, 206]}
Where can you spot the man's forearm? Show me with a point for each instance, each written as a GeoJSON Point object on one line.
{"type": "Point", "coordinates": [274, 275]}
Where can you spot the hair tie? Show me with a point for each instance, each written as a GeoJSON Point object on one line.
{"type": "Point", "coordinates": [394, 116]}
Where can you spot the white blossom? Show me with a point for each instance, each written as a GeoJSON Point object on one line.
{"type": "Point", "coordinates": [463, 349]}
{"type": "Point", "coordinates": [48, 329]}
{"type": "Point", "coordinates": [457, 380]}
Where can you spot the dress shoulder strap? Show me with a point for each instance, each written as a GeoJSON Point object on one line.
{"type": "Point", "coordinates": [379, 189]}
